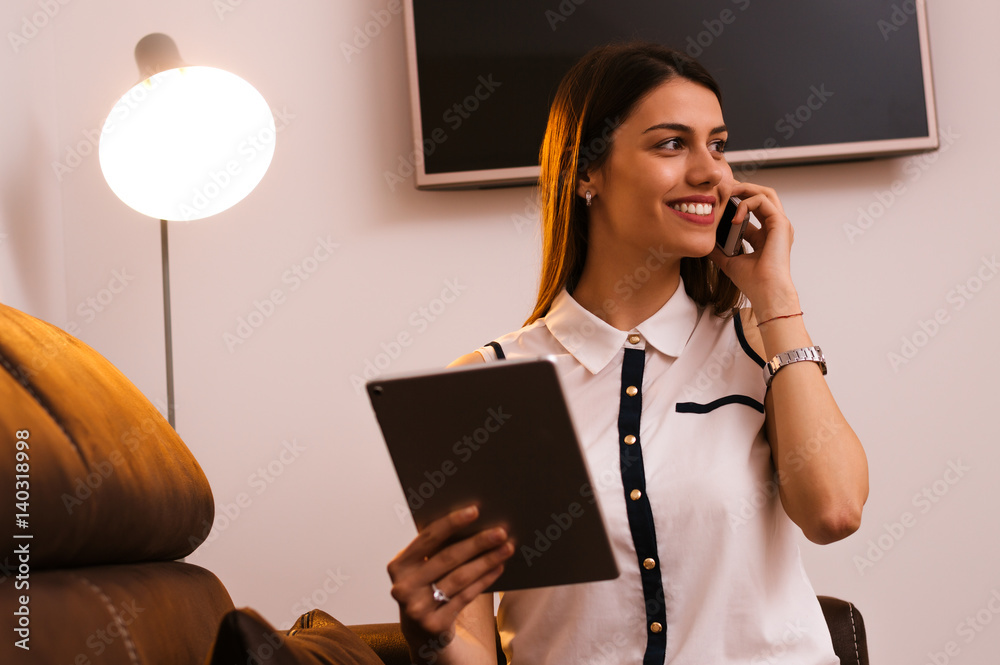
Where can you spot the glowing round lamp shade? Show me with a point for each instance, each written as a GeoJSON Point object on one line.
{"type": "Point", "coordinates": [187, 143]}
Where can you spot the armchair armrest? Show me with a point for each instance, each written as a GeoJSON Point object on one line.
{"type": "Point", "coordinates": [847, 628]}
{"type": "Point", "coordinates": [386, 640]}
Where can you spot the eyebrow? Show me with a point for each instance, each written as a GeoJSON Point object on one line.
{"type": "Point", "coordinates": [677, 127]}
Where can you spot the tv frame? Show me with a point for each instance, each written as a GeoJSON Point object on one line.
{"type": "Point", "coordinates": [738, 159]}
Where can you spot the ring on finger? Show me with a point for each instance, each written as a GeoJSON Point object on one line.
{"type": "Point", "coordinates": [439, 595]}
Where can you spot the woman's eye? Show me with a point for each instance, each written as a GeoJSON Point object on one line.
{"type": "Point", "coordinates": [719, 146]}
{"type": "Point", "coordinates": [671, 144]}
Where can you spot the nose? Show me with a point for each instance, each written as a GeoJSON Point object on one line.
{"type": "Point", "coordinates": [705, 168]}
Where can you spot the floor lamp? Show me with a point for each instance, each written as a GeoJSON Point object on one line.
{"type": "Point", "coordinates": [185, 143]}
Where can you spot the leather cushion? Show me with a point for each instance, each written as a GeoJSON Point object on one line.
{"type": "Point", "coordinates": [315, 639]}
{"type": "Point", "coordinates": [163, 613]}
{"type": "Point", "coordinates": [385, 639]}
{"type": "Point", "coordinates": [109, 479]}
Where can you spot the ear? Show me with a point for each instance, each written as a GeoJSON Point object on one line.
{"type": "Point", "coordinates": [588, 180]}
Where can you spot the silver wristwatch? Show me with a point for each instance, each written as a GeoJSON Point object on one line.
{"type": "Point", "coordinates": [810, 353]}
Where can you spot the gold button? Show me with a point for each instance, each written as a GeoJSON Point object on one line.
{"type": "Point", "coordinates": [630, 439]}
{"type": "Point", "coordinates": [631, 391]}
{"type": "Point", "coordinates": [656, 627]}
{"type": "Point", "coordinates": [649, 564]}
{"type": "Point", "coordinates": [634, 339]}
{"type": "Point", "coordinates": [635, 495]}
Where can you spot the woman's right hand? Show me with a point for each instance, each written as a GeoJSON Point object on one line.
{"type": "Point", "coordinates": [461, 571]}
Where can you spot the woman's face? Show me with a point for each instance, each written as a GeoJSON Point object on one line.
{"type": "Point", "coordinates": [665, 181]}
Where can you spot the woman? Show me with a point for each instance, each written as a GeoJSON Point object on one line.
{"type": "Point", "coordinates": [636, 303]}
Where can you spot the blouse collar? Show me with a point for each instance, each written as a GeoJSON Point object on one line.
{"type": "Point", "coordinates": [594, 343]}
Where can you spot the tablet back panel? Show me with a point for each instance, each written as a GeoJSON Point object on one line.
{"type": "Point", "coordinates": [498, 435]}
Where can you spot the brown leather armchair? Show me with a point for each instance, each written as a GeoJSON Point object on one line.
{"type": "Point", "coordinates": [107, 497]}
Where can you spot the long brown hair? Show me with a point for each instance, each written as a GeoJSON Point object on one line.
{"type": "Point", "coordinates": [593, 99]}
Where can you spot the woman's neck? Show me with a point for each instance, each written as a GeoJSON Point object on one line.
{"type": "Point", "coordinates": [626, 292]}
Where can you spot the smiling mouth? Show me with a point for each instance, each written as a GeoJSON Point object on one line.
{"type": "Point", "coordinates": [700, 209]}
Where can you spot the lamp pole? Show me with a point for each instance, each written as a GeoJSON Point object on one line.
{"type": "Point", "coordinates": [167, 335]}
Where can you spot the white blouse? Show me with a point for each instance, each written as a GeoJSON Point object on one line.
{"type": "Point", "coordinates": [710, 565]}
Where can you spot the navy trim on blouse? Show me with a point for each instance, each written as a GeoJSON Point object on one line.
{"type": "Point", "coordinates": [639, 511]}
{"type": "Point", "coordinates": [737, 321]}
{"type": "Point", "coordinates": [499, 351]}
{"type": "Point", "coordinates": [695, 407]}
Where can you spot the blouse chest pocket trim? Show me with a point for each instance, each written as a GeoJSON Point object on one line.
{"type": "Point", "coordinates": [695, 407]}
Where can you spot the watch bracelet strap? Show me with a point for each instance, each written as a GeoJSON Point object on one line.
{"type": "Point", "coordinates": [786, 358]}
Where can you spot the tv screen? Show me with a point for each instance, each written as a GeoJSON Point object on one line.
{"type": "Point", "coordinates": [801, 81]}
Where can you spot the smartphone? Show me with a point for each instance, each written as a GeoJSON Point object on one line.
{"type": "Point", "coordinates": [729, 236]}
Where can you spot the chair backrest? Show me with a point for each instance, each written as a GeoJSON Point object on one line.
{"type": "Point", "coordinates": [110, 496]}
{"type": "Point", "coordinates": [111, 482]}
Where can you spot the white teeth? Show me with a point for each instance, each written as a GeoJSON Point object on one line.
{"type": "Point", "coordinates": [694, 208]}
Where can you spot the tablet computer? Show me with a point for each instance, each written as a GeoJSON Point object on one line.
{"type": "Point", "coordinates": [498, 435]}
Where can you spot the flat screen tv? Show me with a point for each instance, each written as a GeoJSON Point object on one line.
{"type": "Point", "coordinates": [801, 81]}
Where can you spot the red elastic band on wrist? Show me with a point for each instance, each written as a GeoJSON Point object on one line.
{"type": "Point", "coordinates": [775, 318]}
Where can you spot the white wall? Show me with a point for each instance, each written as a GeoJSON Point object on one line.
{"type": "Point", "coordinates": [330, 518]}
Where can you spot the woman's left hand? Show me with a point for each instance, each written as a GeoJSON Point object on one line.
{"type": "Point", "coordinates": [764, 275]}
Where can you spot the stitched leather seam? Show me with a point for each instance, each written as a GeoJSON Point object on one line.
{"type": "Point", "coordinates": [854, 632]}
{"type": "Point", "coordinates": [133, 656]}
{"type": "Point", "coordinates": [38, 400]}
